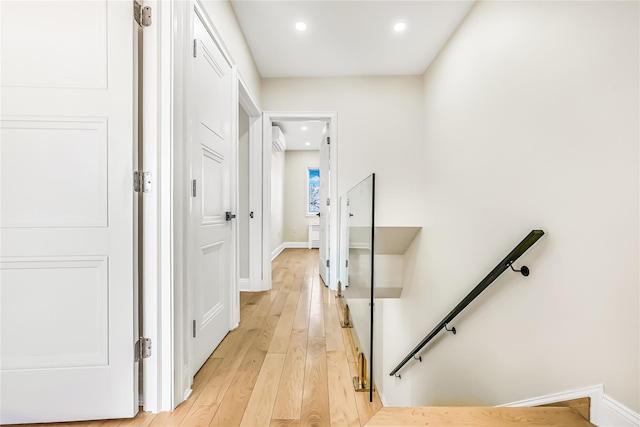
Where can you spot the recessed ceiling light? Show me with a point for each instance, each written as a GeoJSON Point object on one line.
{"type": "Point", "coordinates": [307, 143]}
{"type": "Point", "coordinates": [304, 128]}
{"type": "Point", "coordinates": [400, 27]}
{"type": "Point", "coordinates": [301, 26]}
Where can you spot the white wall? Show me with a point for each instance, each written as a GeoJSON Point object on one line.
{"type": "Point", "coordinates": [531, 120]}
{"type": "Point", "coordinates": [296, 222]}
{"type": "Point", "coordinates": [224, 19]}
{"type": "Point", "coordinates": [379, 130]}
{"type": "Point", "coordinates": [277, 198]}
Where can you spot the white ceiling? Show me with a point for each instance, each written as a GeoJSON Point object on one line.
{"type": "Point", "coordinates": [296, 138]}
{"type": "Point", "coordinates": [347, 38]}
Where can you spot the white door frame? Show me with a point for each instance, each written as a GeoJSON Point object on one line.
{"type": "Point", "coordinates": [268, 118]}
{"type": "Point", "coordinates": [248, 102]}
{"type": "Point", "coordinates": [157, 242]}
{"type": "Point", "coordinates": [162, 238]}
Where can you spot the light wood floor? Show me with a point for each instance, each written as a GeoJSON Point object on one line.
{"type": "Point", "coordinates": [287, 363]}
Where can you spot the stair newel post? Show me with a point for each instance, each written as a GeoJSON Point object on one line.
{"type": "Point", "coordinates": [361, 383]}
{"type": "Point", "coordinates": [339, 294]}
{"type": "Point", "coordinates": [346, 313]}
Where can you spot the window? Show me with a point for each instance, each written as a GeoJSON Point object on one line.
{"type": "Point", "coordinates": [313, 190]}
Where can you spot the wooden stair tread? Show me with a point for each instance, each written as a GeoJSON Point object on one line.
{"type": "Point", "coordinates": [477, 416]}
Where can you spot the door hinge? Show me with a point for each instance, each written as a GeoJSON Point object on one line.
{"type": "Point", "coordinates": [142, 14]}
{"type": "Point", "coordinates": [328, 202]}
{"type": "Point", "coordinates": [193, 188]}
{"type": "Point", "coordinates": [141, 182]}
{"type": "Point", "coordinates": [328, 263]}
{"type": "Point", "coordinates": [142, 349]}
{"type": "Point", "coordinates": [195, 48]}
{"type": "Point", "coordinates": [328, 140]}
{"type": "Point", "coordinates": [346, 263]}
{"type": "Point", "coordinates": [194, 329]}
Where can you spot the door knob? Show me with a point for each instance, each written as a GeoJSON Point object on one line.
{"type": "Point", "coordinates": [229, 216]}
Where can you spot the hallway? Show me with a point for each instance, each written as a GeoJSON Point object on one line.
{"type": "Point", "coordinates": [285, 365]}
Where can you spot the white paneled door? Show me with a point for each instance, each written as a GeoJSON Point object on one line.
{"type": "Point", "coordinates": [66, 216]}
{"type": "Point", "coordinates": [210, 109]}
{"type": "Point", "coordinates": [325, 208]}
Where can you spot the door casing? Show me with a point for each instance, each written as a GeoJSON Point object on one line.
{"type": "Point", "coordinates": [157, 241]}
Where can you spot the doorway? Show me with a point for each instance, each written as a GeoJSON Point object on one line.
{"type": "Point", "coordinates": [273, 221]}
{"type": "Point", "coordinates": [250, 207]}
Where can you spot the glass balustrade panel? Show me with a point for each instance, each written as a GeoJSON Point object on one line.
{"type": "Point", "coordinates": [356, 261]}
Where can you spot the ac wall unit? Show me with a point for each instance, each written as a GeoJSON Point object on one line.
{"type": "Point", "coordinates": [279, 144]}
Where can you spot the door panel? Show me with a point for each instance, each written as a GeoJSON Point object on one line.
{"type": "Point", "coordinates": [212, 180]}
{"type": "Point", "coordinates": [51, 30]}
{"type": "Point", "coordinates": [66, 267]}
{"type": "Point", "coordinates": [67, 178]}
{"type": "Point", "coordinates": [211, 160]}
{"type": "Point", "coordinates": [78, 338]}
{"type": "Point", "coordinates": [212, 268]}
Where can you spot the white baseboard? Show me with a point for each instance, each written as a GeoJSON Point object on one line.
{"type": "Point", "coordinates": [616, 414]}
{"type": "Point", "coordinates": [382, 398]}
{"type": "Point", "coordinates": [276, 251]}
{"type": "Point", "coordinates": [285, 245]}
{"type": "Point", "coordinates": [299, 245]}
{"type": "Point", "coordinates": [605, 411]}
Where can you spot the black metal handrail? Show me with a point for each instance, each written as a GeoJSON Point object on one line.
{"type": "Point", "coordinates": [506, 263]}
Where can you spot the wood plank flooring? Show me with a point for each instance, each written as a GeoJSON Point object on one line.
{"type": "Point", "coordinates": [287, 364]}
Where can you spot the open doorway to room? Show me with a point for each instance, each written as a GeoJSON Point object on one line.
{"type": "Point", "coordinates": [295, 184]}
{"type": "Point", "coordinates": [300, 156]}
{"type": "Point", "coordinates": [245, 214]}
{"type": "Point", "coordinates": [250, 211]}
